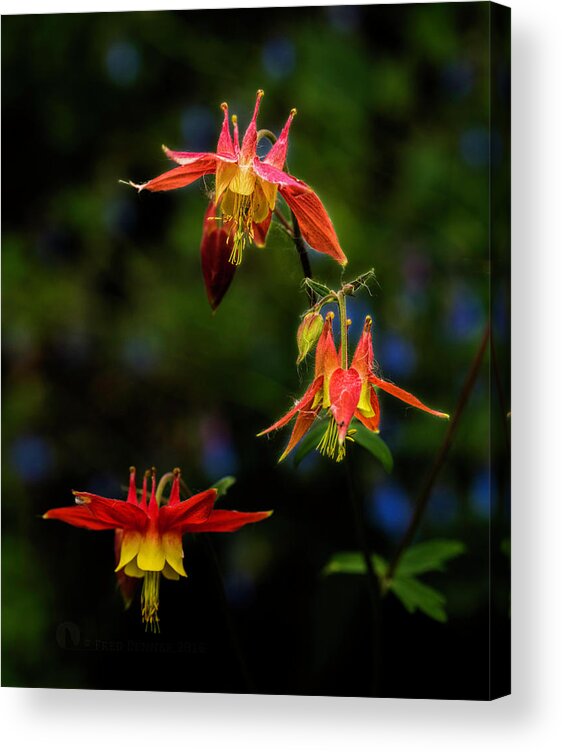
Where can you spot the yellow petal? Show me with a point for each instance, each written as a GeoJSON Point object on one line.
{"type": "Point", "coordinates": [260, 204]}
{"type": "Point", "coordinates": [151, 553]}
{"type": "Point", "coordinates": [243, 181]}
{"type": "Point", "coordinates": [132, 569]}
{"type": "Point", "coordinates": [169, 573]}
{"type": "Point", "coordinates": [129, 547]}
{"type": "Point", "coordinates": [270, 192]}
{"type": "Point", "coordinates": [173, 551]}
{"type": "Point", "coordinates": [225, 173]}
{"type": "Point", "coordinates": [364, 404]}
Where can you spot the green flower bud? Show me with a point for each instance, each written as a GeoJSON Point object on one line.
{"type": "Point", "coordinates": [308, 333]}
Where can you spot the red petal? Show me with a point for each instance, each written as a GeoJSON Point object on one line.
{"type": "Point", "coordinates": [345, 390]}
{"type": "Point", "coordinates": [225, 521]}
{"type": "Point", "coordinates": [363, 359]}
{"type": "Point", "coordinates": [304, 421]}
{"type": "Point", "coordinates": [278, 152]}
{"type": "Point", "coordinates": [326, 360]}
{"type": "Point", "coordinates": [79, 516]}
{"type": "Point", "coordinates": [248, 150]}
{"type": "Point", "coordinates": [225, 145]}
{"type": "Point", "coordinates": [218, 272]}
{"type": "Point", "coordinates": [113, 512]}
{"type": "Point", "coordinates": [260, 231]}
{"type": "Point", "coordinates": [277, 176]}
{"type": "Point", "coordinates": [308, 395]}
{"type": "Point", "coordinates": [194, 510]}
{"type": "Point", "coordinates": [405, 396]}
{"type": "Point", "coordinates": [179, 177]}
{"type": "Point", "coordinates": [314, 222]}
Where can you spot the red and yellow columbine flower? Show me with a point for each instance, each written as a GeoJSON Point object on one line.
{"type": "Point", "coordinates": [148, 536]}
{"type": "Point", "coordinates": [245, 194]}
{"type": "Point", "coordinates": [346, 393]}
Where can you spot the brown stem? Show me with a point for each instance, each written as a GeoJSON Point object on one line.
{"type": "Point", "coordinates": [423, 497]}
{"type": "Point", "coordinates": [283, 221]}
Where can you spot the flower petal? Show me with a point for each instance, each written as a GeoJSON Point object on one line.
{"type": "Point", "coordinates": [405, 396]}
{"type": "Point", "coordinates": [363, 358]}
{"type": "Point", "coordinates": [345, 390]}
{"type": "Point", "coordinates": [304, 421]}
{"type": "Point", "coordinates": [225, 145]}
{"type": "Point", "coordinates": [79, 516]}
{"type": "Point", "coordinates": [314, 222]}
{"type": "Point", "coordinates": [305, 399]}
{"type": "Point", "coordinates": [169, 573]}
{"type": "Point", "coordinates": [195, 509]}
{"type": "Point", "coordinates": [372, 421]}
{"type": "Point", "coordinates": [173, 551]}
{"type": "Point", "coordinates": [130, 546]}
{"type": "Point", "coordinates": [179, 177]}
{"type": "Point", "coordinates": [114, 512]}
{"type": "Point", "coordinates": [260, 230]}
{"type": "Point", "coordinates": [218, 272]}
{"type": "Point", "coordinates": [226, 521]}
{"type": "Point", "coordinates": [151, 556]}
{"type": "Point", "coordinates": [132, 570]}
{"type": "Point", "coordinates": [278, 152]}
{"type": "Point", "coordinates": [249, 142]}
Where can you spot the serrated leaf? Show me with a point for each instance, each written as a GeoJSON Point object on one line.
{"type": "Point", "coordinates": [223, 485]}
{"type": "Point", "coordinates": [411, 592]}
{"type": "Point", "coordinates": [429, 556]}
{"type": "Point", "coordinates": [373, 443]}
{"type": "Point", "coordinates": [416, 595]}
{"type": "Point", "coordinates": [352, 562]}
{"type": "Point", "coordinates": [317, 287]}
{"type": "Point", "coordinates": [309, 442]}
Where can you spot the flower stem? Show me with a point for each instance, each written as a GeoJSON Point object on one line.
{"type": "Point", "coordinates": [164, 480]}
{"type": "Point", "coordinates": [343, 329]}
{"type": "Point", "coordinates": [425, 492]}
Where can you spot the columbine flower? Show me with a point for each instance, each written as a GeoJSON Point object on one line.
{"type": "Point", "coordinates": [149, 536]}
{"type": "Point", "coordinates": [246, 191]}
{"type": "Point", "coordinates": [345, 393]}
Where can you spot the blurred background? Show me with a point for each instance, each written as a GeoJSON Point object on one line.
{"type": "Point", "coordinates": [111, 355]}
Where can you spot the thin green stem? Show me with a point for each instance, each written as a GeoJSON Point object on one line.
{"type": "Point", "coordinates": [164, 480]}
{"type": "Point", "coordinates": [425, 493]}
{"type": "Point", "coordinates": [343, 329]}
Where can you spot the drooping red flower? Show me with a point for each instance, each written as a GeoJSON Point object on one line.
{"type": "Point", "coordinates": [345, 393]}
{"type": "Point", "coordinates": [246, 189]}
{"type": "Point", "coordinates": [148, 537]}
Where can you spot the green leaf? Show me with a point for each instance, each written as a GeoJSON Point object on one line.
{"type": "Point", "coordinates": [309, 442]}
{"type": "Point", "coordinates": [416, 595]}
{"type": "Point", "coordinates": [373, 443]}
{"type": "Point", "coordinates": [352, 562]}
{"type": "Point", "coordinates": [429, 556]}
{"type": "Point", "coordinates": [362, 280]}
{"type": "Point", "coordinates": [317, 287]}
{"type": "Point", "coordinates": [223, 485]}
{"type": "Point", "coordinates": [411, 592]}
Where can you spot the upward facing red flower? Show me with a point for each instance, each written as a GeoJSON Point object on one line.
{"type": "Point", "coordinates": [346, 393]}
{"type": "Point", "coordinates": [245, 194]}
{"type": "Point", "coordinates": [149, 536]}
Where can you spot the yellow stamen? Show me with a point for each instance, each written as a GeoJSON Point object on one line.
{"type": "Point", "coordinates": [150, 601]}
{"type": "Point", "coordinates": [329, 443]}
{"type": "Point", "coordinates": [241, 216]}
